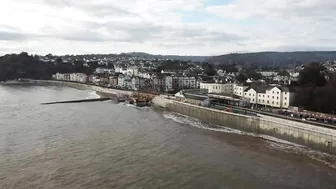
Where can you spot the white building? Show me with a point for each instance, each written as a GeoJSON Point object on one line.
{"type": "Point", "coordinates": [100, 70]}
{"type": "Point", "coordinates": [185, 82]}
{"type": "Point", "coordinates": [132, 71]}
{"type": "Point", "coordinates": [192, 83]}
{"type": "Point", "coordinates": [169, 83]}
{"type": "Point", "coordinates": [288, 95]}
{"type": "Point", "coordinates": [239, 90]}
{"type": "Point", "coordinates": [78, 77]}
{"type": "Point", "coordinates": [124, 81]}
{"type": "Point", "coordinates": [121, 80]}
{"type": "Point", "coordinates": [189, 82]}
{"type": "Point", "coordinates": [121, 70]}
{"type": "Point", "coordinates": [251, 94]}
{"type": "Point", "coordinates": [137, 83]}
{"type": "Point", "coordinates": [270, 96]}
{"type": "Point", "coordinates": [227, 88]}
{"type": "Point", "coordinates": [144, 75]}
{"type": "Point", "coordinates": [59, 76]}
{"type": "Point", "coordinates": [268, 73]}
{"type": "Point", "coordinates": [95, 79]}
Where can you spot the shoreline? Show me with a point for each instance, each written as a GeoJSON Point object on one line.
{"type": "Point", "coordinates": [164, 103]}
{"type": "Point", "coordinates": [101, 91]}
{"type": "Point", "coordinates": [315, 137]}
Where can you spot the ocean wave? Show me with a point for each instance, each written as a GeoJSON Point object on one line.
{"type": "Point", "coordinates": [92, 94]}
{"type": "Point", "coordinates": [272, 142]}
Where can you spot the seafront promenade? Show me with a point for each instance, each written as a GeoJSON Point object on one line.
{"type": "Point", "coordinates": [316, 137]}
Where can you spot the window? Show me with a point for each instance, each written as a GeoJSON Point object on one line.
{"type": "Point", "coordinates": [273, 92]}
{"type": "Point", "coordinates": [263, 100]}
{"type": "Point", "coordinates": [277, 97]}
{"type": "Point", "coordinates": [264, 96]}
{"type": "Point", "coordinates": [267, 101]}
{"type": "Point", "coordinates": [249, 94]}
{"type": "Point", "coordinates": [285, 104]}
{"type": "Point", "coordinates": [259, 100]}
{"type": "Point", "coordinates": [277, 103]}
{"type": "Point", "coordinates": [285, 93]}
{"type": "Point", "coordinates": [272, 102]}
{"type": "Point", "coordinates": [273, 97]}
{"type": "Point", "coordinates": [285, 98]}
{"type": "Point", "coordinates": [277, 92]}
{"type": "Point", "coordinates": [267, 96]}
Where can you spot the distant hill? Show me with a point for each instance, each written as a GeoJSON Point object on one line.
{"type": "Point", "coordinates": [173, 57]}
{"type": "Point", "coordinates": [274, 59]}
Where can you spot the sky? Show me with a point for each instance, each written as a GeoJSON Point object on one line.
{"type": "Point", "coordinates": [179, 27]}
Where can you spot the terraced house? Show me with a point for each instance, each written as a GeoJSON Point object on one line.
{"type": "Point", "coordinates": [270, 96]}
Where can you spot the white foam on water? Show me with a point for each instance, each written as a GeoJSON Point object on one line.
{"type": "Point", "coordinates": [272, 142]}
{"type": "Point", "coordinates": [183, 119]}
{"type": "Point", "coordinates": [92, 94]}
{"type": "Point", "coordinates": [325, 158]}
{"type": "Point", "coordinates": [130, 105]}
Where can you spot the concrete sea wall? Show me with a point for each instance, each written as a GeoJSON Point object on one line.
{"type": "Point", "coordinates": [161, 101]}
{"type": "Point", "coordinates": [312, 136]}
{"type": "Point", "coordinates": [83, 86]}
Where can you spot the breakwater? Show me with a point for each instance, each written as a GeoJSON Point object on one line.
{"type": "Point", "coordinates": [312, 136]}
{"type": "Point", "coordinates": [77, 101]}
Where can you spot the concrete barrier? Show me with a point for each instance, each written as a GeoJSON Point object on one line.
{"type": "Point", "coordinates": [315, 137]}
{"type": "Point", "coordinates": [76, 101]}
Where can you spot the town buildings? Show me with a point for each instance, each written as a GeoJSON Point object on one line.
{"type": "Point", "coordinates": [270, 96]}
{"type": "Point", "coordinates": [256, 95]}
{"type": "Point", "coordinates": [226, 88]}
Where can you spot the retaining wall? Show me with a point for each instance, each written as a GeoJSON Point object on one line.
{"type": "Point", "coordinates": [312, 136]}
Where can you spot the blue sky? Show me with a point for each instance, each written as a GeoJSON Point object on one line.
{"type": "Point", "coordinates": [184, 27]}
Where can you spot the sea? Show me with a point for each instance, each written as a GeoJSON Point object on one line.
{"type": "Point", "coordinates": [98, 145]}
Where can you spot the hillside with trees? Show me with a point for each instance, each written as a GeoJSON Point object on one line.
{"type": "Point", "coordinates": [15, 66]}
{"type": "Point", "coordinates": [171, 57]}
{"type": "Point", "coordinates": [317, 91]}
{"type": "Point", "coordinates": [273, 59]}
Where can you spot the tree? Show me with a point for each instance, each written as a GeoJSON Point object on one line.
{"type": "Point", "coordinates": [110, 66]}
{"type": "Point", "coordinates": [315, 93]}
{"type": "Point", "coordinates": [241, 78]}
{"type": "Point", "coordinates": [49, 56]}
{"type": "Point", "coordinates": [253, 74]}
{"type": "Point", "coordinates": [59, 60]}
{"type": "Point", "coordinates": [284, 73]}
{"type": "Point", "coordinates": [228, 68]}
{"type": "Point", "coordinates": [22, 65]}
{"type": "Point", "coordinates": [314, 74]}
{"type": "Point", "coordinates": [209, 69]}
{"type": "Point", "coordinates": [158, 69]}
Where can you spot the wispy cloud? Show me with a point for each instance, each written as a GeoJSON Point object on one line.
{"type": "Point", "coordinates": [198, 27]}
